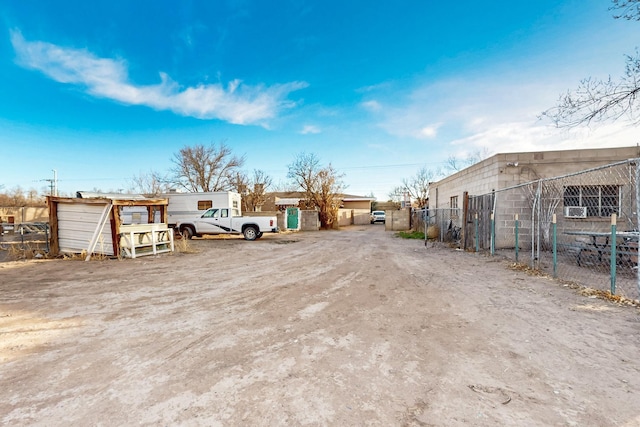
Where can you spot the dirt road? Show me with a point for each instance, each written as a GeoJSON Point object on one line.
{"type": "Point", "coordinates": [347, 328]}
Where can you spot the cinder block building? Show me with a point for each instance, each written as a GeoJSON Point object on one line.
{"type": "Point", "coordinates": [579, 200]}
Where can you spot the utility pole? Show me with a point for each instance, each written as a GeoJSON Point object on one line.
{"type": "Point", "coordinates": [55, 182]}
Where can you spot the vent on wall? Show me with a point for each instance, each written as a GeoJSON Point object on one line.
{"type": "Point", "coordinates": [575, 211]}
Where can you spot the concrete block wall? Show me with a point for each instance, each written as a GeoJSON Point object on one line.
{"type": "Point", "coordinates": [397, 220]}
{"type": "Point", "coordinates": [353, 217]}
{"type": "Point", "coordinates": [309, 220]}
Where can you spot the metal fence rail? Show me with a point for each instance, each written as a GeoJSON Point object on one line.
{"type": "Point", "coordinates": [24, 240]}
{"type": "Point", "coordinates": [561, 225]}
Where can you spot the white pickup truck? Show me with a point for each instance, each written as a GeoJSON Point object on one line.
{"type": "Point", "coordinates": [222, 221]}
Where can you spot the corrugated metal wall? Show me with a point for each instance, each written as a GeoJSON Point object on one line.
{"type": "Point", "coordinates": [76, 225]}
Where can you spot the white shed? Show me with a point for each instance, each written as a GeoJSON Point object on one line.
{"type": "Point", "coordinates": [98, 225]}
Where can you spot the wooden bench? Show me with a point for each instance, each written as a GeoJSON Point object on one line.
{"type": "Point", "coordinates": [145, 239]}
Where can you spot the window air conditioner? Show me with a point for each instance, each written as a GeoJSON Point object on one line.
{"type": "Point", "coordinates": [575, 211]}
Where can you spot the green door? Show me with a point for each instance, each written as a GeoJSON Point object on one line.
{"type": "Point", "coordinates": [292, 218]}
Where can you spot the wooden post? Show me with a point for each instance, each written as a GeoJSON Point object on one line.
{"type": "Point", "coordinates": [53, 225]}
{"type": "Point", "coordinates": [116, 222]}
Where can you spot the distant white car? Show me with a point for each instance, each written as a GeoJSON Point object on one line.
{"type": "Point", "coordinates": [377, 216]}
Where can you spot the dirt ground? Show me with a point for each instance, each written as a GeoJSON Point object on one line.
{"type": "Point", "coordinates": [348, 328]}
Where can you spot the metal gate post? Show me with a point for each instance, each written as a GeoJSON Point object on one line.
{"type": "Point", "coordinates": [493, 234]}
{"type": "Point", "coordinates": [517, 237]}
{"type": "Point", "coordinates": [637, 191]}
{"type": "Point", "coordinates": [555, 247]}
{"type": "Point", "coordinates": [538, 224]}
{"type": "Point", "coordinates": [613, 254]}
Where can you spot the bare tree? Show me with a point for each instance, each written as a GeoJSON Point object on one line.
{"type": "Point", "coordinates": [150, 184]}
{"type": "Point", "coordinates": [201, 168]}
{"type": "Point", "coordinates": [322, 186]}
{"type": "Point", "coordinates": [397, 195]}
{"type": "Point", "coordinates": [418, 186]}
{"type": "Point", "coordinates": [455, 163]}
{"type": "Point", "coordinates": [260, 183]}
{"type": "Point", "coordinates": [16, 197]}
{"type": "Point", "coordinates": [253, 190]}
{"type": "Point", "coordinates": [597, 100]}
{"type": "Point", "coordinates": [630, 9]}
{"type": "Point", "coordinates": [240, 184]}
{"type": "Point", "coordinates": [284, 186]}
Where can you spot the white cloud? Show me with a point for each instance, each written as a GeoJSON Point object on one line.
{"type": "Point", "coordinates": [429, 131]}
{"type": "Point", "coordinates": [108, 78]}
{"type": "Point", "coordinates": [373, 106]}
{"type": "Point", "coordinates": [525, 136]}
{"type": "Point", "coordinates": [409, 123]}
{"type": "Point", "coordinates": [310, 129]}
{"type": "Point", "coordinates": [497, 113]}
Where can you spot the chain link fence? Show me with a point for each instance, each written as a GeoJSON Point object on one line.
{"type": "Point", "coordinates": [444, 225]}
{"type": "Point", "coordinates": [580, 227]}
{"type": "Point", "coordinates": [24, 241]}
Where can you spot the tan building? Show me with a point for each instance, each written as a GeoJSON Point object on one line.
{"type": "Point", "coordinates": [354, 210]}
{"type": "Point", "coordinates": [19, 215]}
{"type": "Point", "coordinates": [581, 201]}
{"type": "Point", "coordinates": [509, 169]}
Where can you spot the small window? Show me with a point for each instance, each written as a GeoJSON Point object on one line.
{"type": "Point", "coordinates": [203, 205]}
{"type": "Point", "coordinates": [212, 213]}
{"type": "Point", "coordinates": [453, 204]}
{"type": "Point", "coordinates": [224, 213]}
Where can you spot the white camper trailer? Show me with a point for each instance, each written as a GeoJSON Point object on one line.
{"type": "Point", "coordinates": [186, 206]}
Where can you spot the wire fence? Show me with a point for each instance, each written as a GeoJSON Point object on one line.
{"type": "Point", "coordinates": [24, 240]}
{"type": "Point", "coordinates": [580, 227]}
{"type": "Point", "coordinates": [444, 225]}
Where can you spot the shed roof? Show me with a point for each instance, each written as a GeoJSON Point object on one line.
{"type": "Point", "coordinates": [287, 201]}
{"type": "Point", "coordinates": [123, 200]}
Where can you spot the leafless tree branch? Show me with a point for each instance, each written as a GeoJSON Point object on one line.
{"type": "Point", "coordinates": [630, 9]}
{"type": "Point", "coordinates": [599, 100]}
{"type": "Point", "coordinates": [322, 186]}
{"type": "Point", "coordinates": [206, 168]}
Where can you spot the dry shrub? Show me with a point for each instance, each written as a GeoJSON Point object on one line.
{"type": "Point", "coordinates": [26, 251]}
{"type": "Point", "coordinates": [184, 246]}
{"type": "Point", "coordinates": [83, 256]}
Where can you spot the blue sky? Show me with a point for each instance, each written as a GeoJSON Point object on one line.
{"type": "Point", "coordinates": [104, 91]}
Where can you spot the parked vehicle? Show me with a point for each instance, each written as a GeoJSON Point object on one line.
{"type": "Point", "coordinates": [222, 215]}
{"type": "Point", "coordinates": [220, 221]}
{"type": "Point", "coordinates": [378, 216]}
{"type": "Point", "coordinates": [187, 206]}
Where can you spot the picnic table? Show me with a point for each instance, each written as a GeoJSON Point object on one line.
{"type": "Point", "coordinates": [626, 246]}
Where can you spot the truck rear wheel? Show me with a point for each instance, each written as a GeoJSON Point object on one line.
{"type": "Point", "coordinates": [187, 232]}
{"type": "Point", "coordinates": [250, 233]}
